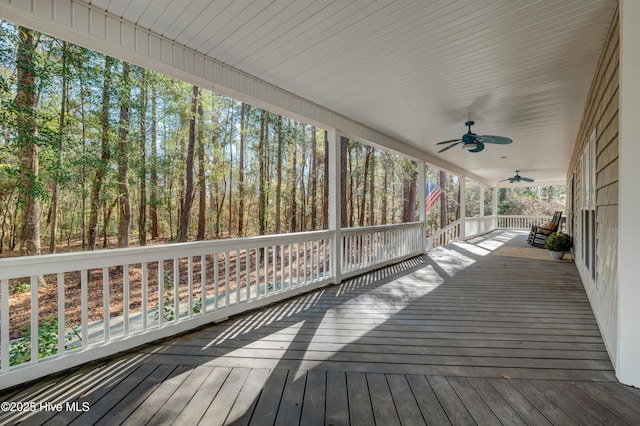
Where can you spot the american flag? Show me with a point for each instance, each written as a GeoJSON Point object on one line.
{"type": "Point", "coordinates": [434, 192]}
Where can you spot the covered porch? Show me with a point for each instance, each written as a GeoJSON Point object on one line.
{"type": "Point", "coordinates": [457, 331]}
{"type": "Point", "coordinates": [472, 332]}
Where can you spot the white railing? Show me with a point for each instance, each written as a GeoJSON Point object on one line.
{"type": "Point", "coordinates": [364, 249]}
{"type": "Point", "coordinates": [113, 300]}
{"type": "Point", "coordinates": [444, 235]}
{"type": "Point", "coordinates": [478, 225]}
{"type": "Point", "coordinates": [520, 221]}
{"type": "Point", "coordinates": [109, 301]}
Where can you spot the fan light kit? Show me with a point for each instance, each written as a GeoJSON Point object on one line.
{"type": "Point", "coordinates": [517, 178]}
{"type": "Point", "coordinates": [472, 142]}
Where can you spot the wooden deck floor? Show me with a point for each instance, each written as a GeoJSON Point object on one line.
{"type": "Point", "coordinates": [462, 336]}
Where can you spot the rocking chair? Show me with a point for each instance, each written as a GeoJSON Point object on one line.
{"type": "Point", "coordinates": [538, 234]}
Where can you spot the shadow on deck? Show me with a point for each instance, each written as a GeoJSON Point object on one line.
{"type": "Point", "coordinates": [469, 333]}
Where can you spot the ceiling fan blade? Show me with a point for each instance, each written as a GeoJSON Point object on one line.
{"type": "Point", "coordinates": [526, 179]}
{"type": "Point", "coordinates": [500, 140]}
{"type": "Point", "coordinates": [504, 180]}
{"type": "Point", "coordinates": [449, 141]}
{"type": "Point", "coordinates": [449, 147]}
{"type": "Point", "coordinates": [479, 148]}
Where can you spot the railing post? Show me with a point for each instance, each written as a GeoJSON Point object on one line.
{"type": "Point", "coordinates": [335, 219]}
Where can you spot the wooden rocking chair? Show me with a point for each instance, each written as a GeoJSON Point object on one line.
{"type": "Point", "coordinates": [538, 234]}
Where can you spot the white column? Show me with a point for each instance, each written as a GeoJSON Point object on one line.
{"type": "Point", "coordinates": [463, 206]}
{"type": "Point", "coordinates": [628, 351]}
{"type": "Point", "coordinates": [494, 206]}
{"type": "Point", "coordinates": [481, 200]}
{"type": "Point", "coordinates": [335, 219]}
{"type": "Point", "coordinates": [422, 202]}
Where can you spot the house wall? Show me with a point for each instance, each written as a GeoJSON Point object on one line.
{"type": "Point", "coordinates": [600, 116]}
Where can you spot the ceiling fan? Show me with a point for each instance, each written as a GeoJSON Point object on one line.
{"type": "Point", "coordinates": [472, 142]}
{"type": "Point", "coordinates": [517, 178]}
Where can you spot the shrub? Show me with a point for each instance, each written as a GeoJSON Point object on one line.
{"type": "Point", "coordinates": [558, 241]}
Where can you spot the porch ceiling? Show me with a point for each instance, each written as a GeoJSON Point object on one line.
{"type": "Point", "coordinates": [415, 70]}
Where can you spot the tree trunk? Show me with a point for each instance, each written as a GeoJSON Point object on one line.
{"type": "Point", "coordinates": [230, 132]}
{"type": "Point", "coordinates": [372, 187]}
{"type": "Point", "coordinates": [26, 124]}
{"type": "Point", "coordinates": [385, 185]}
{"type": "Point", "coordinates": [142, 212]}
{"type": "Point", "coordinates": [301, 211]}
{"type": "Point", "coordinates": [262, 199]}
{"type": "Point", "coordinates": [83, 170]}
{"type": "Point", "coordinates": [325, 184]}
{"type": "Point", "coordinates": [153, 210]}
{"type": "Point", "coordinates": [55, 193]}
{"type": "Point", "coordinates": [350, 176]}
{"type": "Point", "coordinates": [105, 155]}
{"type": "Point", "coordinates": [124, 202]}
{"type": "Point", "coordinates": [344, 142]}
{"type": "Point", "coordinates": [293, 189]}
{"type": "Point", "coordinates": [202, 183]}
{"type": "Point", "coordinates": [278, 174]}
{"type": "Point", "coordinates": [365, 181]}
{"type": "Point", "coordinates": [244, 118]}
{"type": "Point", "coordinates": [409, 193]}
{"type": "Point", "coordinates": [314, 179]}
{"type": "Point", "coordinates": [188, 195]}
{"type": "Point", "coordinates": [443, 201]}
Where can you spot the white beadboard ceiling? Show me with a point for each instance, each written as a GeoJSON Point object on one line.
{"type": "Point", "coordinates": [413, 69]}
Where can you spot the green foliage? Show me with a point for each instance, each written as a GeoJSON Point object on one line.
{"type": "Point", "coordinates": [558, 241]}
{"type": "Point", "coordinates": [21, 287]}
{"type": "Point", "coordinates": [20, 349]}
{"type": "Point", "coordinates": [168, 306]}
{"type": "Point", "coordinates": [542, 200]}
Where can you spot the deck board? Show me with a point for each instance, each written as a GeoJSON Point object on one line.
{"type": "Point", "coordinates": [360, 408]}
{"type": "Point", "coordinates": [449, 338]}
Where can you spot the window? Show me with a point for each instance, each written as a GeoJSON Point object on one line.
{"type": "Point", "coordinates": [588, 206]}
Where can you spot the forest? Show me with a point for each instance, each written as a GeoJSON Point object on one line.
{"type": "Point", "coordinates": [96, 153]}
{"type": "Point", "coordinates": [99, 153]}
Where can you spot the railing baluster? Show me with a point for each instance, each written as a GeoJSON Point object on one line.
{"type": "Point", "coordinates": [4, 327]}
{"type": "Point", "coordinates": [161, 292]}
{"type": "Point", "coordinates": [216, 281]}
{"type": "Point", "coordinates": [125, 298]}
{"type": "Point", "coordinates": [190, 285]}
{"type": "Point", "coordinates": [145, 295]}
{"type": "Point", "coordinates": [266, 271]}
{"type": "Point", "coordinates": [84, 297]}
{"type": "Point", "coordinates": [304, 251]}
{"type": "Point", "coordinates": [282, 268]}
{"type": "Point", "coordinates": [274, 256]}
{"type": "Point", "coordinates": [226, 279]}
{"type": "Point", "coordinates": [258, 272]}
{"type": "Point", "coordinates": [237, 277]}
{"type": "Point", "coordinates": [106, 304]}
{"type": "Point", "coordinates": [61, 303]}
{"type": "Point", "coordinates": [34, 320]}
{"type": "Point", "coordinates": [203, 282]}
{"type": "Point", "coordinates": [297, 264]}
{"type": "Point", "coordinates": [176, 289]}
{"type": "Point", "coordinates": [290, 260]}
{"type": "Point", "coordinates": [247, 273]}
